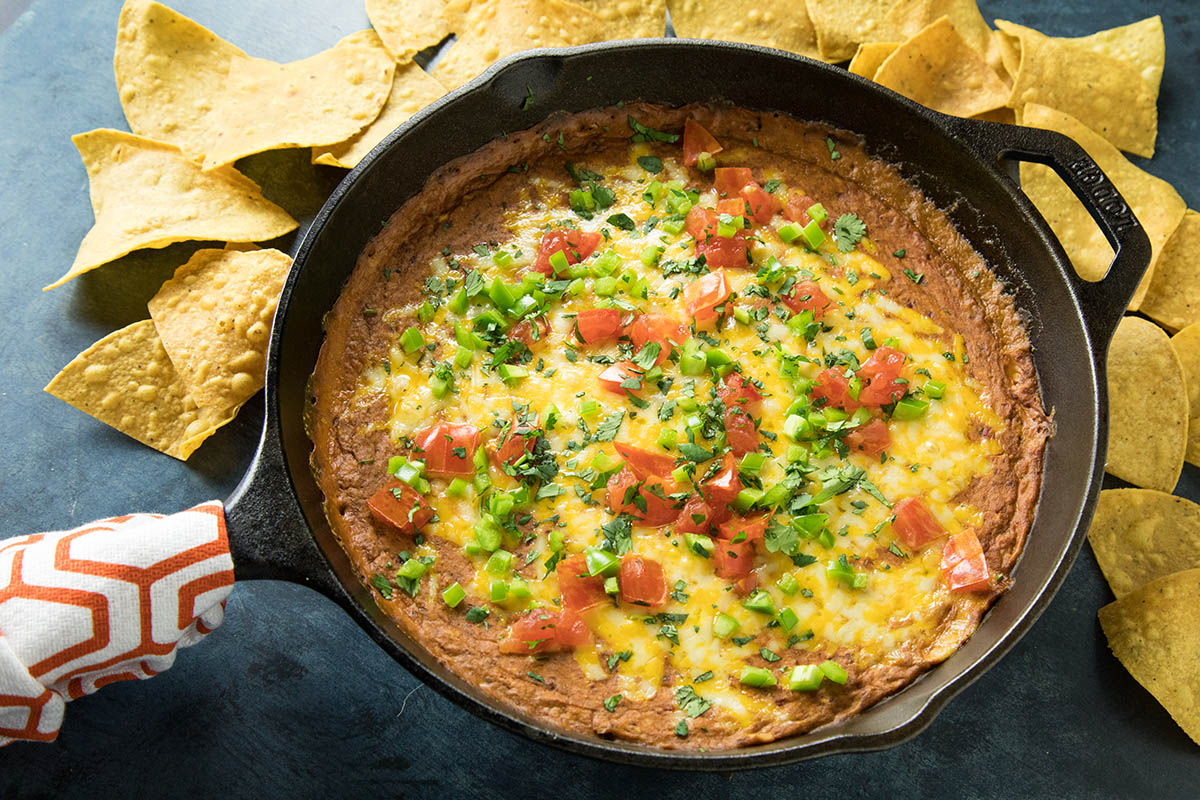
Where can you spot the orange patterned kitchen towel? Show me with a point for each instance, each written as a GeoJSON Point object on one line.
{"type": "Point", "coordinates": [108, 601]}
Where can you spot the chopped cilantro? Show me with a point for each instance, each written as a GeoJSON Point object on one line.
{"type": "Point", "coordinates": [610, 703]}
{"type": "Point", "coordinates": [478, 614]}
{"type": "Point", "coordinates": [849, 230]}
{"type": "Point", "coordinates": [652, 164]}
{"type": "Point", "coordinates": [643, 134]}
{"type": "Point", "coordinates": [607, 430]}
{"type": "Point", "coordinates": [622, 221]}
{"type": "Point", "coordinates": [692, 704]}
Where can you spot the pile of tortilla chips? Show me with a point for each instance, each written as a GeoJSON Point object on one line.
{"type": "Point", "coordinates": [1148, 546]}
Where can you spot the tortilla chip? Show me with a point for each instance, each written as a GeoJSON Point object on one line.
{"type": "Point", "coordinates": [491, 29]}
{"type": "Point", "coordinates": [214, 317]}
{"type": "Point", "coordinates": [321, 100]}
{"type": "Point", "coordinates": [1147, 407]}
{"type": "Point", "coordinates": [631, 19]}
{"type": "Point", "coordinates": [1009, 48]}
{"type": "Point", "coordinates": [869, 56]}
{"type": "Point", "coordinates": [1005, 115]}
{"type": "Point", "coordinates": [1155, 633]}
{"type": "Point", "coordinates": [148, 194]}
{"type": "Point", "coordinates": [937, 68]}
{"type": "Point", "coordinates": [169, 73]}
{"type": "Point", "coordinates": [908, 17]}
{"type": "Point", "coordinates": [1139, 535]}
{"type": "Point", "coordinates": [1154, 201]}
{"type": "Point", "coordinates": [407, 26]}
{"type": "Point", "coordinates": [1107, 94]}
{"type": "Point", "coordinates": [1173, 298]}
{"type": "Point", "coordinates": [412, 89]}
{"type": "Point", "coordinates": [1187, 347]}
{"type": "Point", "coordinates": [842, 25]}
{"type": "Point", "coordinates": [1140, 44]}
{"type": "Point", "coordinates": [781, 24]}
{"type": "Point", "coordinates": [126, 380]}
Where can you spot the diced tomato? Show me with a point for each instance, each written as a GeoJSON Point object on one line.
{"type": "Point", "coordinates": [797, 208]}
{"type": "Point", "coordinates": [596, 325]}
{"type": "Point", "coordinates": [576, 245]}
{"type": "Point", "coordinates": [744, 529]}
{"type": "Point", "coordinates": [627, 493]}
{"type": "Point", "coordinates": [661, 328]}
{"type": "Point", "coordinates": [733, 559]}
{"type": "Point", "coordinates": [439, 444]}
{"type": "Point", "coordinates": [740, 432]}
{"type": "Point", "coordinates": [642, 581]}
{"type": "Point", "coordinates": [807, 295]}
{"type": "Point", "coordinates": [736, 391]}
{"type": "Point", "coordinates": [407, 513]}
{"type": "Point", "coordinates": [733, 206]}
{"type": "Point", "coordinates": [545, 630]}
{"type": "Point", "coordinates": [696, 516]}
{"type": "Point", "coordinates": [717, 251]}
{"type": "Point", "coordinates": [579, 590]}
{"type": "Point", "coordinates": [530, 332]}
{"type": "Point", "coordinates": [880, 373]}
{"type": "Point", "coordinates": [615, 374]}
{"type": "Point", "coordinates": [745, 585]}
{"type": "Point", "coordinates": [833, 385]}
{"type": "Point", "coordinates": [721, 489]}
{"type": "Point", "coordinates": [914, 523]}
{"type": "Point", "coordinates": [763, 206]}
{"type": "Point", "coordinates": [702, 296]}
{"type": "Point", "coordinates": [644, 463]}
{"type": "Point", "coordinates": [728, 180]}
{"type": "Point", "coordinates": [872, 438]}
{"type": "Point", "coordinates": [964, 567]}
{"type": "Point", "coordinates": [517, 442]}
{"type": "Point", "coordinates": [885, 362]}
{"type": "Point", "coordinates": [697, 140]}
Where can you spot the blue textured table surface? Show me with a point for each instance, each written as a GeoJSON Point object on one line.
{"type": "Point", "coordinates": [289, 698]}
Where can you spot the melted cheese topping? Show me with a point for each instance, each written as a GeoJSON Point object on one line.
{"type": "Point", "coordinates": [934, 457]}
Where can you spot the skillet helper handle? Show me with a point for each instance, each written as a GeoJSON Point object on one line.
{"type": "Point", "coordinates": [111, 600]}
{"type": "Point", "coordinates": [1103, 302]}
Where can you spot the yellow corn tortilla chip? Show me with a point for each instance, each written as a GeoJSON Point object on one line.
{"type": "Point", "coordinates": [1005, 115]}
{"type": "Point", "coordinates": [1107, 94]}
{"type": "Point", "coordinates": [772, 23]}
{"type": "Point", "coordinates": [1139, 535]}
{"type": "Point", "coordinates": [938, 69]}
{"type": "Point", "coordinates": [169, 72]}
{"type": "Point", "coordinates": [182, 84]}
{"type": "Point", "coordinates": [631, 19]}
{"type": "Point", "coordinates": [869, 56]}
{"type": "Point", "coordinates": [1154, 202]}
{"type": "Point", "coordinates": [491, 29]}
{"type": "Point", "coordinates": [1009, 48]}
{"type": "Point", "coordinates": [126, 380]}
{"type": "Point", "coordinates": [1140, 44]}
{"type": "Point", "coordinates": [412, 89]}
{"type": "Point", "coordinates": [1173, 297]}
{"type": "Point", "coordinates": [1147, 407]}
{"type": "Point", "coordinates": [1187, 347]}
{"type": "Point", "coordinates": [321, 100]}
{"type": "Point", "coordinates": [407, 26]}
{"type": "Point", "coordinates": [1155, 633]}
{"type": "Point", "coordinates": [214, 317]}
{"type": "Point", "coordinates": [148, 194]}
{"type": "Point", "coordinates": [842, 25]}
{"type": "Point", "coordinates": [908, 17]}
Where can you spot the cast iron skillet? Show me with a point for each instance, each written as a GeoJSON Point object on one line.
{"type": "Point", "coordinates": [276, 525]}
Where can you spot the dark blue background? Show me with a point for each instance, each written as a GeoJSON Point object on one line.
{"type": "Point", "coordinates": [289, 698]}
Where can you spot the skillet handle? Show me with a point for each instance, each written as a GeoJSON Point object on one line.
{"type": "Point", "coordinates": [1103, 302]}
{"type": "Point", "coordinates": [268, 535]}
